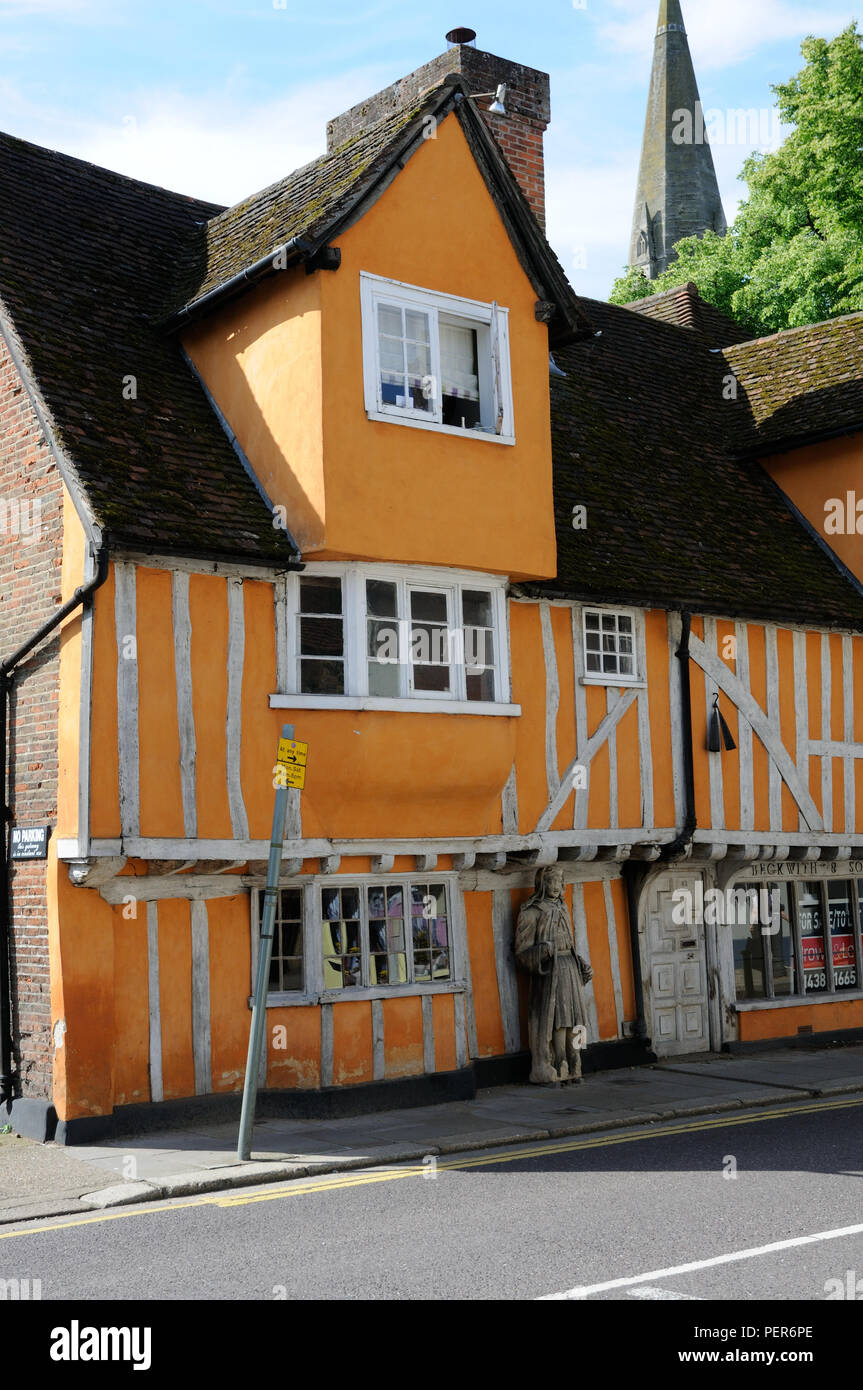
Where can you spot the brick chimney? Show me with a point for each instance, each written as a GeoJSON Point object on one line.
{"type": "Point", "coordinates": [519, 133]}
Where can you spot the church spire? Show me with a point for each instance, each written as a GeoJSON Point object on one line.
{"type": "Point", "coordinates": [677, 193]}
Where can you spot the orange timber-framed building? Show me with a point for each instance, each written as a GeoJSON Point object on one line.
{"type": "Point", "coordinates": [268, 440]}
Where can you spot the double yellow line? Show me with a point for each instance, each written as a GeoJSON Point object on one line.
{"type": "Point", "coordinates": [302, 1187]}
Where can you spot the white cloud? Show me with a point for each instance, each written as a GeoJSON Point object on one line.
{"type": "Point", "coordinates": [221, 147]}
{"type": "Point", "coordinates": [589, 214]}
{"type": "Point", "coordinates": [723, 34]}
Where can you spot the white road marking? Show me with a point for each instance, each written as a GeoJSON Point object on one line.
{"type": "Point", "coordinates": [647, 1291]}
{"type": "Point", "coordinates": [585, 1290]}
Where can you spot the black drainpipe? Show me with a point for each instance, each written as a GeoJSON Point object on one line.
{"type": "Point", "coordinates": [634, 873]}
{"type": "Point", "coordinates": [7, 667]}
{"type": "Point", "coordinates": [683, 838]}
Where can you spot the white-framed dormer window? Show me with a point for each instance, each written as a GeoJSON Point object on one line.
{"type": "Point", "coordinates": [435, 360]}
{"type": "Point", "coordinates": [610, 656]}
{"type": "Point", "coordinates": [393, 636]}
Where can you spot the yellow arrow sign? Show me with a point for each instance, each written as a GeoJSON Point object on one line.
{"type": "Point", "coordinates": [292, 756]}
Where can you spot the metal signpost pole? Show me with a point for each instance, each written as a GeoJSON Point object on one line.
{"type": "Point", "coordinates": [265, 952]}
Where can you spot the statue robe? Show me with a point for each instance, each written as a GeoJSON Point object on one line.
{"type": "Point", "coordinates": [557, 998]}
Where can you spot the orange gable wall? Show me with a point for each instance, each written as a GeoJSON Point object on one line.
{"type": "Point", "coordinates": [814, 475]}
{"type": "Point", "coordinates": [260, 357]}
{"type": "Point", "coordinates": [284, 363]}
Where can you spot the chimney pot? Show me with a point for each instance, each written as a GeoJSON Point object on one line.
{"type": "Point", "coordinates": [457, 36]}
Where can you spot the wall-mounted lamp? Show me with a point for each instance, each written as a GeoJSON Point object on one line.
{"type": "Point", "coordinates": [497, 107]}
{"type": "Point", "coordinates": [717, 730]}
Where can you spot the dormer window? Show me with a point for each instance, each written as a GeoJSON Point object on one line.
{"type": "Point", "coordinates": [436, 361]}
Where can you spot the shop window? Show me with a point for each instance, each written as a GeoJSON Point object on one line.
{"type": "Point", "coordinates": [384, 934]}
{"type": "Point", "coordinates": [813, 946]}
{"type": "Point", "coordinates": [361, 937]}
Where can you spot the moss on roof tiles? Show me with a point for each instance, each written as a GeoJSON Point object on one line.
{"type": "Point", "coordinates": [297, 205]}
{"type": "Point", "coordinates": [801, 382]}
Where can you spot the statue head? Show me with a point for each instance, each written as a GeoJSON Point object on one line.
{"type": "Point", "coordinates": [549, 881]}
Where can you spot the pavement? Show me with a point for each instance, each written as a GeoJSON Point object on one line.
{"type": "Point", "coordinates": [42, 1180]}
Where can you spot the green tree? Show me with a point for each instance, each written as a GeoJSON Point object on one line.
{"type": "Point", "coordinates": [795, 252]}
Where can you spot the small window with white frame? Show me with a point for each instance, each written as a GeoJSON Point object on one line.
{"type": "Point", "coordinates": [609, 645]}
{"type": "Point", "coordinates": [435, 360]}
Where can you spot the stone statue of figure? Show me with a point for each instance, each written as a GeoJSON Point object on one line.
{"type": "Point", "coordinates": [557, 1004]}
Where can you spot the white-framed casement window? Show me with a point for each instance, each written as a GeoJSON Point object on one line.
{"type": "Point", "coordinates": [337, 936]}
{"type": "Point", "coordinates": [378, 636]}
{"type": "Point", "coordinates": [435, 360]}
{"type": "Point", "coordinates": [610, 647]}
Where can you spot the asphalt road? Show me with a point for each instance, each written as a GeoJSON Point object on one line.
{"type": "Point", "coordinates": [613, 1216]}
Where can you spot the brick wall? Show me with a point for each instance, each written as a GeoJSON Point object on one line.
{"type": "Point", "coordinates": [519, 133]}
{"type": "Point", "coordinates": [31, 532]}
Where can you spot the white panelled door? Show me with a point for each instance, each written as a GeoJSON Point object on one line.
{"type": "Point", "coordinates": [674, 970]}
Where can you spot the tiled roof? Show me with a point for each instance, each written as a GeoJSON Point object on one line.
{"type": "Point", "coordinates": [684, 307]}
{"type": "Point", "coordinates": [641, 439]}
{"type": "Point", "coordinates": [85, 262]}
{"type": "Point", "coordinates": [803, 383]}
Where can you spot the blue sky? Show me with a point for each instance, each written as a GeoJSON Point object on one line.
{"type": "Point", "coordinates": [220, 97]}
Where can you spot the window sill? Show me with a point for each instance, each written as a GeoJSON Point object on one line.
{"type": "Point", "coordinates": [799, 1001]}
{"type": "Point", "coordinates": [417, 424]}
{"type": "Point", "coordinates": [348, 996]}
{"type": "Point", "coordinates": [401, 706]}
{"type": "Point", "coordinates": [619, 682]}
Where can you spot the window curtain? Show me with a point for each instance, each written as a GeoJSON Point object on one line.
{"type": "Point", "coordinates": [404, 341]}
{"type": "Point", "coordinates": [458, 362]}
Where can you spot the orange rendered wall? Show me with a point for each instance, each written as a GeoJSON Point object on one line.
{"type": "Point", "coordinates": [260, 357]}
{"type": "Point", "coordinates": [755, 1024]}
{"type": "Point", "coordinates": [813, 476]}
{"type": "Point", "coordinates": [410, 494]}
{"type": "Point", "coordinates": [406, 774]}
{"type": "Point", "coordinates": [81, 930]}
